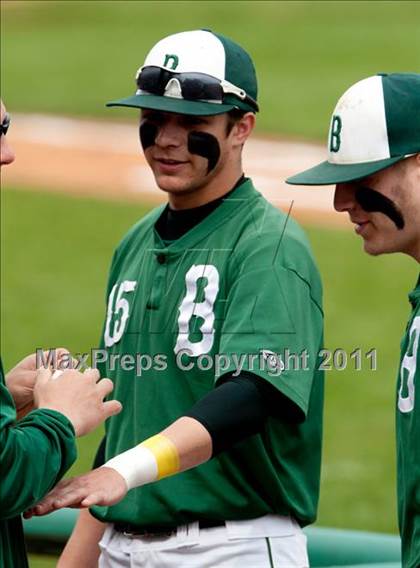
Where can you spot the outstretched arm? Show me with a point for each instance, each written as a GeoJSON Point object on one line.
{"type": "Point", "coordinates": [82, 548]}
{"type": "Point", "coordinates": [227, 415]}
{"type": "Point", "coordinates": [185, 444]}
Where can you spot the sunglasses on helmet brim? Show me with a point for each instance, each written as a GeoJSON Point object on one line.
{"type": "Point", "coordinates": [193, 86]}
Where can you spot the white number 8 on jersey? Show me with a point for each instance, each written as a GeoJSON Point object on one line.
{"type": "Point", "coordinates": [204, 309]}
{"type": "Point", "coordinates": [408, 369]}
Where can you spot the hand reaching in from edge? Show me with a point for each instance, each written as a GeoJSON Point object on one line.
{"type": "Point", "coordinates": [101, 486]}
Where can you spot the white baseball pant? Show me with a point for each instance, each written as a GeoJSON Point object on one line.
{"type": "Point", "coordinates": [267, 542]}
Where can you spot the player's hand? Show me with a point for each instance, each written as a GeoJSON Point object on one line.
{"type": "Point", "coordinates": [102, 486]}
{"type": "Point", "coordinates": [21, 381]}
{"type": "Point", "coordinates": [79, 396]}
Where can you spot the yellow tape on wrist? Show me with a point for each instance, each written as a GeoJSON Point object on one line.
{"type": "Point", "coordinates": [166, 454]}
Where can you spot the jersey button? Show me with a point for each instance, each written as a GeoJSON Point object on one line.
{"type": "Point", "coordinates": [161, 258]}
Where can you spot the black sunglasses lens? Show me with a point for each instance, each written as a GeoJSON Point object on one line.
{"type": "Point", "coordinates": [193, 86]}
{"type": "Point", "coordinates": [199, 88]}
{"type": "Point", "coordinates": [152, 80]}
{"type": "Point", "coordinates": [191, 89]}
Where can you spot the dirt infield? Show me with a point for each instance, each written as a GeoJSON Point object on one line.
{"type": "Point", "coordinates": [103, 159]}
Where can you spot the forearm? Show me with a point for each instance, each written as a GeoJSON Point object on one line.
{"type": "Point", "coordinates": [184, 444]}
{"type": "Point", "coordinates": [34, 455]}
{"type": "Point", "coordinates": [225, 416]}
{"type": "Point", "coordinates": [82, 549]}
{"type": "Point", "coordinates": [192, 440]}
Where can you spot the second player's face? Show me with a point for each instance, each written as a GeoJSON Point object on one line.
{"type": "Point", "coordinates": [6, 153]}
{"type": "Point", "coordinates": [400, 183]}
{"type": "Point", "coordinates": [176, 170]}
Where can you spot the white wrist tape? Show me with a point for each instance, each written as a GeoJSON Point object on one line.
{"type": "Point", "coordinates": [151, 460]}
{"type": "Point", "coordinates": [137, 466]}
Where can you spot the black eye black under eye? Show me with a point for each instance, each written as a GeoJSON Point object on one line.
{"type": "Point", "coordinates": [5, 125]}
{"type": "Point", "coordinates": [373, 201]}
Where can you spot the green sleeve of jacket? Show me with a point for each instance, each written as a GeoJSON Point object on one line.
{"type": "Point", "coordinates": [34, 454]}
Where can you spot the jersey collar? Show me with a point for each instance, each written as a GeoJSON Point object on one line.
{"type": "Point", "coordinates": [414, 296]}
{"type": "Point", "coordinates": [238, 200]}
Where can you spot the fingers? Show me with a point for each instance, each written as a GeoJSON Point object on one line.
{"type": "Point", "coordinates": [92, 374]}
{"type": "Point", "coordinates": [111, 408]}
{"type": "Point", "coordinates": [42, 508]}
{"type": "Point", "coordinates": [57, 374]}
{"type": "Point", "coordinates": [102, 486]}
{"type": "Point", "coordinates": [67, 493]}
{"type": "Point", "coordinates": [68, 497]}
{"type": "Point", "coordinates": [24, 410]}
{"type": "Point", "coordinates": [60, 353]}
{"type": "Point", "coordinates": [105, 386]}
{"type": "Point", "coordinates": [43, 375]}
{"type": "Point", "coordinates": [72, 499]}
{"type": "Point", "coordinates": [93, 499]}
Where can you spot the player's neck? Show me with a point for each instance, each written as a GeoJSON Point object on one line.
{"type": "Point", "coordinates": [413, 247]}
{"type": "Point", "coordinates": [416, 252]}
{"type": "Point", "coordinates": [217, 187]}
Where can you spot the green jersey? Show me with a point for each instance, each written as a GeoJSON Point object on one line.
{"type": "Point", "coordinates": [34, 454]}
{"type": "Point", "coordinates": [239, 291]}
{"type": "Point", "coordinates": [408, 437]}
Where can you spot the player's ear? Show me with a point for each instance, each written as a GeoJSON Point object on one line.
{"type": "Point", "coordinates": [243, 128]}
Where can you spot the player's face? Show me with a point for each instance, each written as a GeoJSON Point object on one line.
{"type": "Point", "coordinates": [177, 170]}
{"type": "Point", "coordinates": [6, 153]}
{"type": "Point", "coordinates": [400, 183]}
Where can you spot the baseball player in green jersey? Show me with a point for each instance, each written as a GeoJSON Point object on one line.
{"type": "Point", "coordinates": [215, 314]}
{"type": "Point", "coordinates": [39, 419]}
{"type": "Point", "coordinates": [374, 160]}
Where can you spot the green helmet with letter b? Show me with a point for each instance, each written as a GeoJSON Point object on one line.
{"type": "Point", "coordinates": [375, 124]}
{"type": "Point", "coordinates": [195, 72]}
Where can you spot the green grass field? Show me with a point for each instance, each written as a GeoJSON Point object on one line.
{"type": "Point", "coordinates": [71, 57]}
{"type": "Point", "coordinates": [41, 561]}
{"type": "Point", "coordinates": [55, 257]}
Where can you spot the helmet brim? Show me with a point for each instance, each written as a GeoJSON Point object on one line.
{"type": "Point", "coordinates": [328, 173]}
{"type": "Point", "coordinates": [172, 104]}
